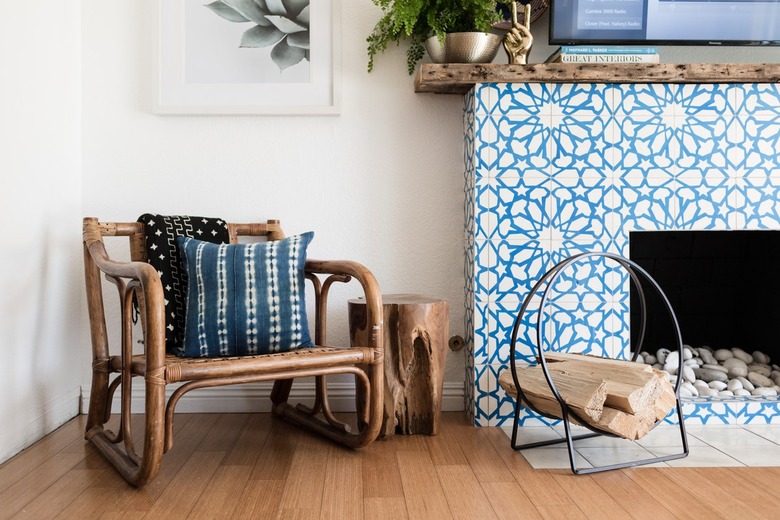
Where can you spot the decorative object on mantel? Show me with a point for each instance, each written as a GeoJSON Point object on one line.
{"type": "Point", "coordinates": [418, 21]}
{"type": "Point", "coordinates": [460, 78]}
{"type": "Point", "coordinates": [463, 47]}
{"type": "Point", "coordinates": [518, 40]}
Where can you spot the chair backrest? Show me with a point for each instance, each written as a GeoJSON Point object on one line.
{"type": "Point", "coordinates": [93, 232]}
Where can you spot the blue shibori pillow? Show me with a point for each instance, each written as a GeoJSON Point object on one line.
{"type": "Point", "coordinates": [245, 299]}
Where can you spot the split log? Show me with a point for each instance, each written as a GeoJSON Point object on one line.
{"type": "Point", "coordinates": [584, 395]}
{"type": "Point", "coordinates": [554, 357]}
{"type": "Point", "coordinates": [630, 386]}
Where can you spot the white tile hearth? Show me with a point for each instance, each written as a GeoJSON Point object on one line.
{"type": "Point", "coordinates": [710, 446]}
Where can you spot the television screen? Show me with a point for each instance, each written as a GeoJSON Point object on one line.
{"type": "Point", "coordinates": [665, 22]}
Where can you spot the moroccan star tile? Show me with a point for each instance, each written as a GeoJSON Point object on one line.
{"type": "Point", "coordinates": [521, 99]}
{"type": "Point", "coordinates": [518, 265]}
{"type": "Point", "coordinates": [582, 144]}
{"type": "Point", "coordinates": [522, 145]}
{"type": "Point", "coordinates": [482, 330]}
{"type": "Point", "coordinates": [580, 100]}
{"type": "Point", "coordinates": [646, 99]}
{"type": "Point", "coordinates": [522, 207]}
{"type": "Point", "coordinates": [705, 100]}
{"type": "Point", "coordinates": [756, 98]}
{"type": "Point", "coordinates": [754, 203]}
{"type": "Point", "coordinates": [485, 395]}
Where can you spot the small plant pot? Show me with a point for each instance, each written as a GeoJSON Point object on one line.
{"type": "Point", "coordinates": [464, 47]}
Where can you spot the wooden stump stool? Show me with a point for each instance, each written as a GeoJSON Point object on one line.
{"type": "Point", "coordinates": [416, 329]}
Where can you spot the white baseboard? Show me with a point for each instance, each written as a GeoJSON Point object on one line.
{"type": "Point", "coordinates": [46, 418]}
{"type": "Point", "coordinates": [255, 397]}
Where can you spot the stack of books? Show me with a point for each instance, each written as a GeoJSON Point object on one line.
{"type": "Point", "coordinates": [604, 54]}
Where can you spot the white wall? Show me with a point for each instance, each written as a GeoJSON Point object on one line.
{"type": "Point", "coordinates": [40, 161]}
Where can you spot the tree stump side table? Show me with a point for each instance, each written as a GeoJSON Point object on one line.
{"type": "Point", "coordinates": [416, 329]}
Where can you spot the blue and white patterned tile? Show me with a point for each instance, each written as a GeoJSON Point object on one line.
{"type": "Point", "coordinates": [581, 100]}
{"type": "Point", "coordinates": [469, 329]}
{"type": "Point", "coordinates": [582, 213]}
{"type": "Point", "coordinates": [646, 99]}
{"type": "Point", "coordinates": [581, 327]}
{"type": "Point", "coordinates": [521, 99]}
{"type": "Point", "coordinates": [646, 203]}
{"type": "Point", "coordinates": [583, 279]}
{"type": "Point", "coordinates": [485, 396]}
{"type": "Point", "coordinates": [502, 318]}
{"type": "Point", "coordinates": [760, 412]}
{"type": "Point", "coordinates": [482, 332]}
{"type": "Point", "coordinates": [469, 253]}
{"type": "Point", "coordinates": [645, 143]}
{"type": "Point", "coordinates": [753, 143]}
{"type": "Point", "coordinates": [583, 145]}
{"type": "Point", "coordinates": [505, 404]}
{"type": "Point", "coordinates": [754, 203]}
{"type": "Point", "coordinates": [529, 418]}
{"type": "Point", "coordinates": [756, 98]}
{"type": "Point", "coordinates": [484, 270]}
{"type": "Point", "coordinates": [483, 98]}
{"type": "Point", "coordinates": [704, 99]}
{"type": "Point", "coordinates": [518, 266]}
{"type": "Point", "coordinates": [485, 207]}
{"type": "Point", "coordinates": [522, 145]}
{"type": "Point", "coordinates": [702, 199]}
{"type": "Point", "coordinates": [486, 146]}
{"type": "Point", "coordinates": [522, 208]}
{"type": "Point", "coordinates": [618, 344]}
{"type": "Point", "coordinates": [703, 141]}
{"type": "Point", "coordinates": [705, 412]}
{"type": "Point", "coordinates": [469, 210]}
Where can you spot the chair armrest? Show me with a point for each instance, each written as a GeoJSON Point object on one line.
{"type": "Point", "coordinates": [152, 302]}
{"type": "Point", "coordinates": [371, 290]}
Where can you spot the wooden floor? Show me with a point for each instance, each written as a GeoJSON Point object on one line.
{"type": "Point", "coordinates": [256, 466]}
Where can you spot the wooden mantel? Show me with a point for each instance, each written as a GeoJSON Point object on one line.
{"type": "Point", "coordinates": [458, 78]}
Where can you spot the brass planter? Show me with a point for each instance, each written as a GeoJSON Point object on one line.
{"type": "Point", "coordinates": [464, 47]}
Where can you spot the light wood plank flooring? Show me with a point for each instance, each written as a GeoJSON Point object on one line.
{"type": "Point", "coordinates": [256, 466]}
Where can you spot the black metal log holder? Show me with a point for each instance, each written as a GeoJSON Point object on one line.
{"type": "Point", "coordinates": [549, 278]}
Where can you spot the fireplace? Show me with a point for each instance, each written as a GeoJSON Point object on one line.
{"type": "Point", "coordinates": [723, 285]}
{"type": "Point", "coordinates": [552, 170]}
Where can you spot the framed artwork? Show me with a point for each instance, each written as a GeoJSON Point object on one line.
{"type": "Point", "coordinates": [247, 57]}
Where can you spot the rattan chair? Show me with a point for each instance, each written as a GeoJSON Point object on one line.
{"type": "Point", "coordinates": [138, 280]}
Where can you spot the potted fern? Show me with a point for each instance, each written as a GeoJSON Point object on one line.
{"type": "Point", "coordinates": [431, 21]}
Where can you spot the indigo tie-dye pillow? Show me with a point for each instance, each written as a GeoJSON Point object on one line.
{"type": "Point", "coordinates": [245, 299]}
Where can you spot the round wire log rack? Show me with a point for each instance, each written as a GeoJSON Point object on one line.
{"type": "Point", "coordinates": [544, 285]}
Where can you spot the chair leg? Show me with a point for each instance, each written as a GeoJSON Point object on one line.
{"type": "Point", "coordinates": [281, 392]}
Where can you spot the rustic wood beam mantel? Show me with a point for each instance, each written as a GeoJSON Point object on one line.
{"type": "Point", "coordinates": [458, 78]}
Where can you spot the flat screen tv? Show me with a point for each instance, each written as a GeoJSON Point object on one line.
{"type": "Point", "coordinates": [665, 22]}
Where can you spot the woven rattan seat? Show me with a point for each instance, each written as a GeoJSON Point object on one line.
{"type": "Point", "coordinates": [138, 281]}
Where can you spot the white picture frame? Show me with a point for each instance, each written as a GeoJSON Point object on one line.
{"type": "Point", "coordinates": [201, 67]}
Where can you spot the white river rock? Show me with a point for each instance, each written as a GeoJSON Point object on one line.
{"type": "Point", "coordinates": [759, 380]}
{"type": "Point", "coordinates": [741, 354]}
{"type": "Point", "coordinates": [723, 354]}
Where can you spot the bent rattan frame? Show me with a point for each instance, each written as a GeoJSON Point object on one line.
{"type": "Point", "coordinates": [547, 281]}
{"type": "Point", "coordinates": [137, 279]}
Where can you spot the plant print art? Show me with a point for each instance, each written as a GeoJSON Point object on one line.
{"type": "Point", "coordinates": [248, 41]}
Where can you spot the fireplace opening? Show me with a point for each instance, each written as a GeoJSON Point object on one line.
{"type": "Point", "coordinates": [724, 287]}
